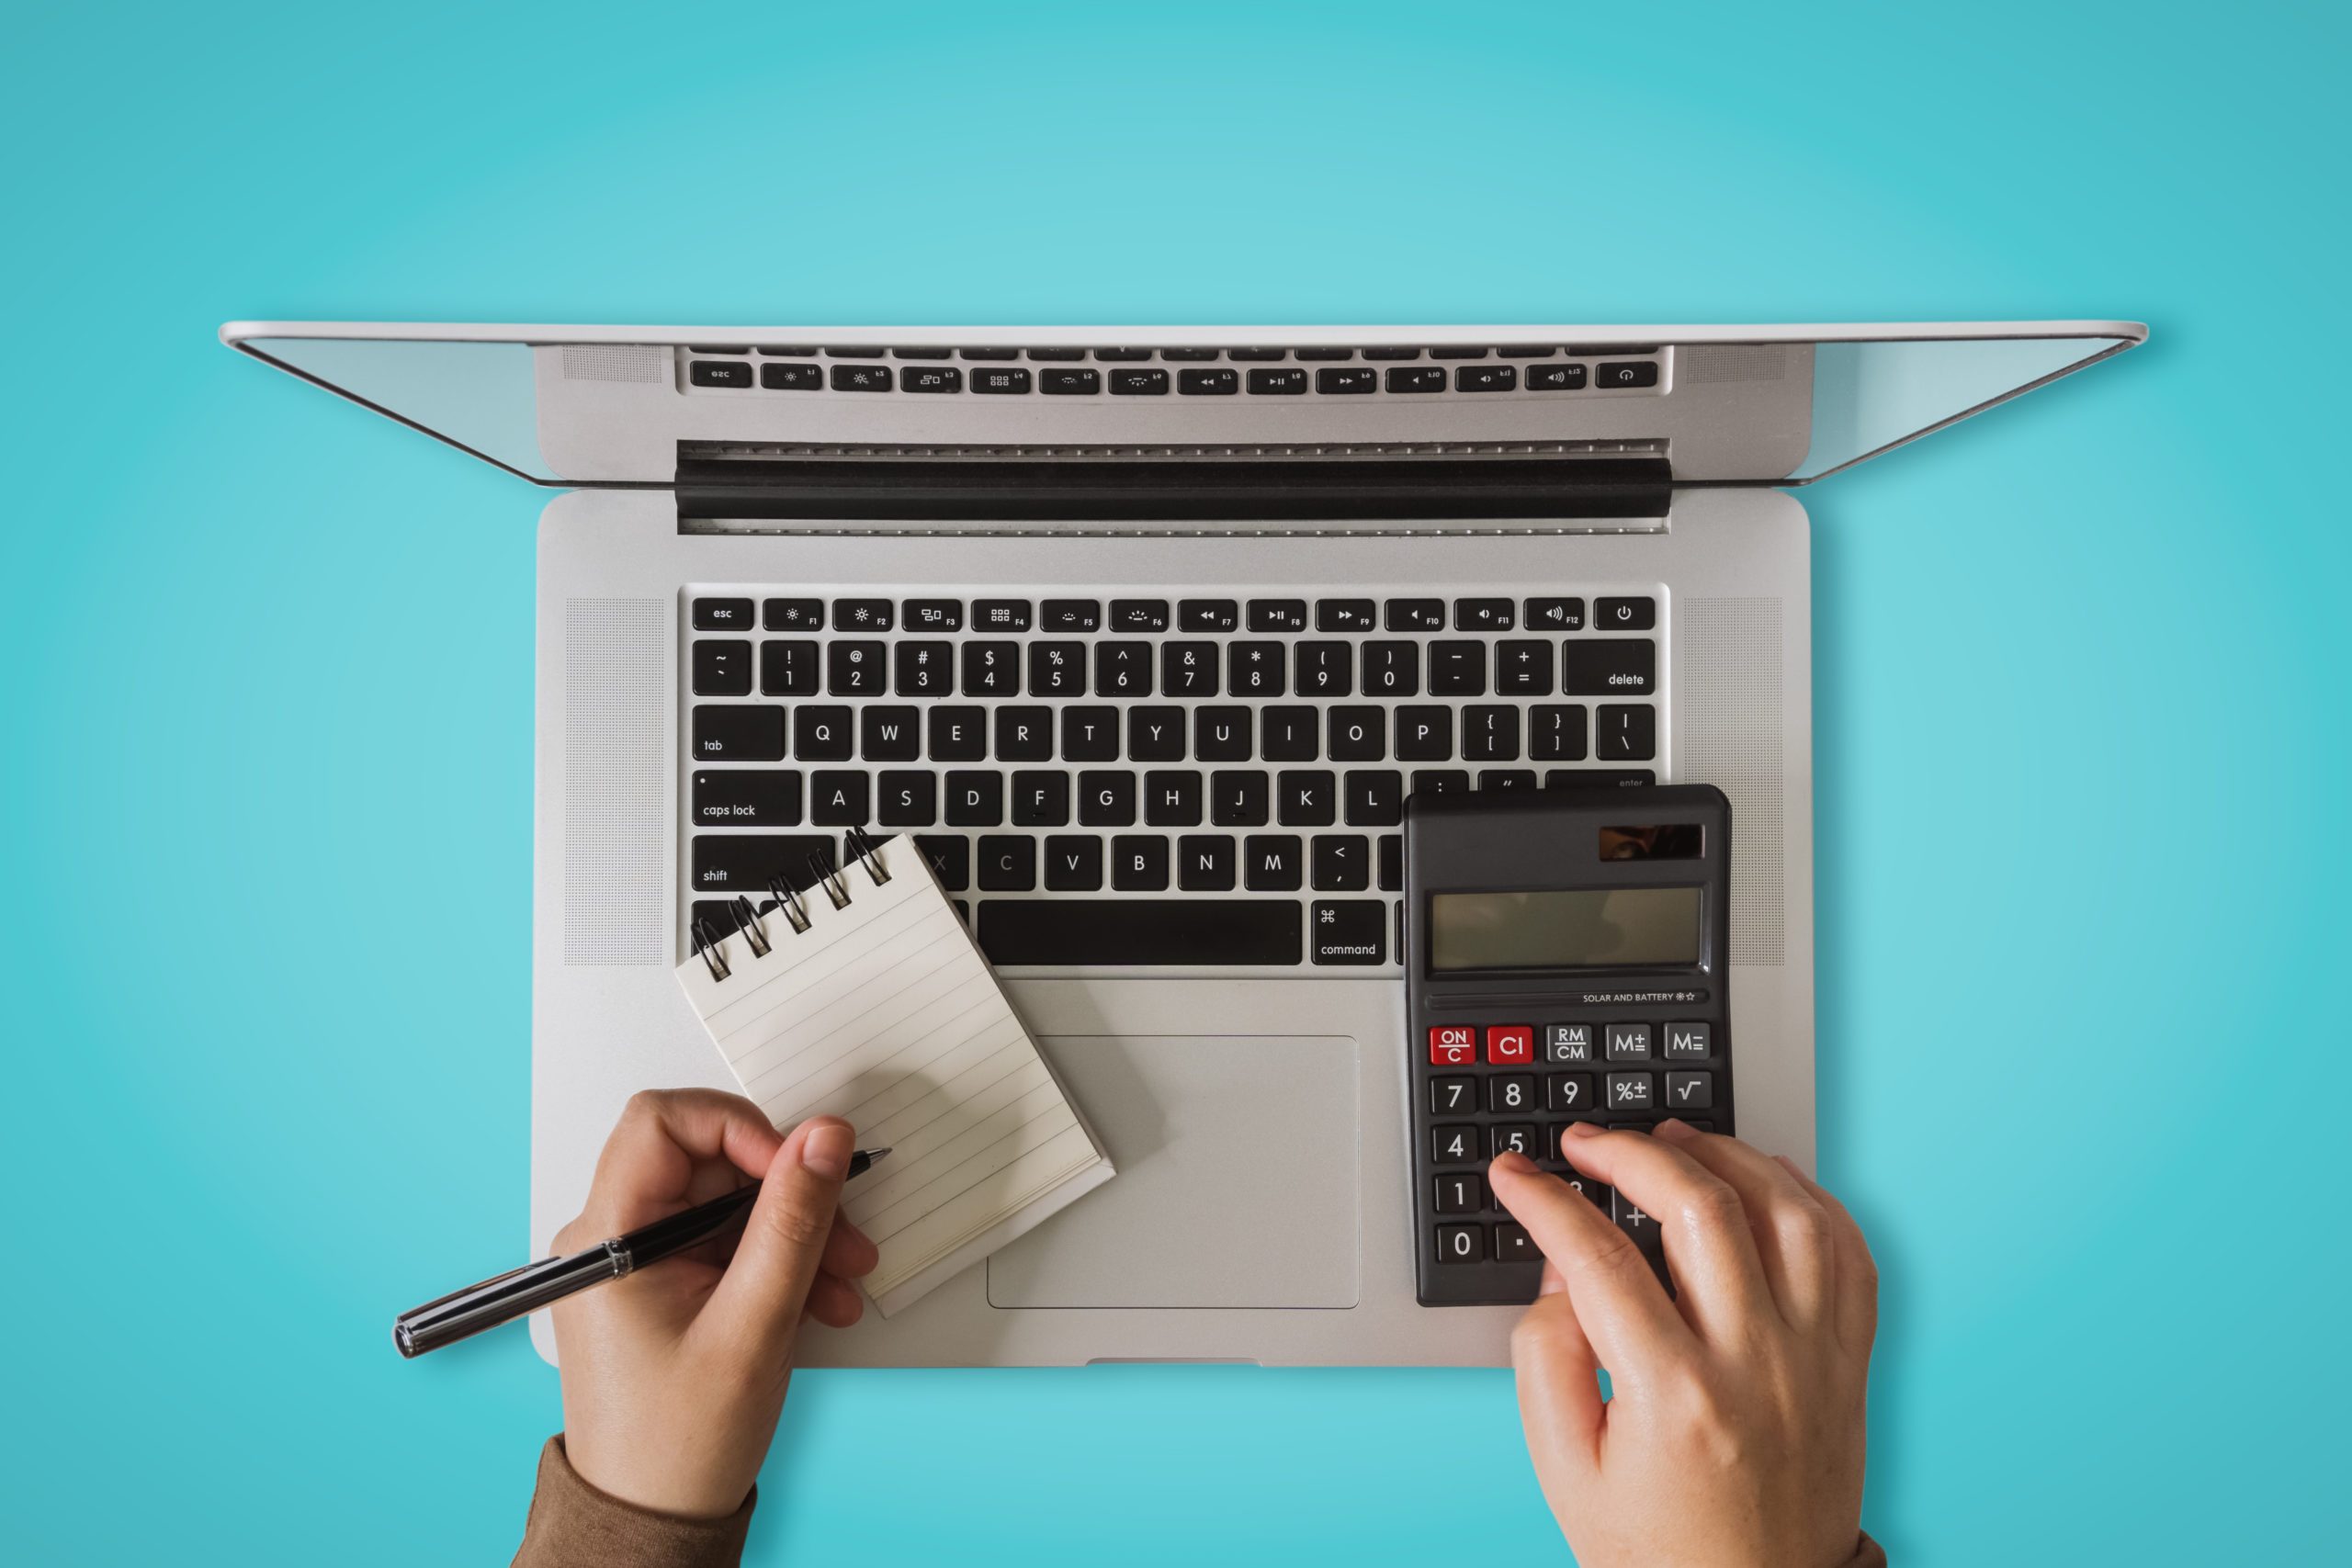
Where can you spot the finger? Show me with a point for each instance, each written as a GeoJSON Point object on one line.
{"type": "Point", "coordinates": [834, 1302]}
{"type": "Point", "coordinates": [648, 1163]}
{"type": "Point", "coordinates": [760, 1299]}
{"type": "Point", "coordinates": [1718, 1281]}
{"type": "Point", "coordinates": [1856, 1291]}
{"type": "Point", "coordinates": [1559, 1385]}
{"type": "Point", "coordinates": [1794, 1240]}
{"type": "Point", "coordinates": [1617, 1299]}
{"type": "Point", "coordinates": [848, 1254]}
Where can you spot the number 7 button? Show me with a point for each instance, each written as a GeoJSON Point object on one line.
{"type": "Point", "coordinates": [1452, 1045]}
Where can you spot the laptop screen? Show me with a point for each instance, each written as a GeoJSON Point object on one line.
{"type": "Point", "coordinates": [1704, 406]}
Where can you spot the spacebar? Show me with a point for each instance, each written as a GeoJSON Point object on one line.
{"type": "Point", "coordinates": [1129, 932]}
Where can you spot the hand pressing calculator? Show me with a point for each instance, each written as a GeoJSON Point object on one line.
{"type": "Point", "coordinates": [1568, 958]}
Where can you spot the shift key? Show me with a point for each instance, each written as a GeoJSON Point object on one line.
{"type": "Point", "coordinates": [747, 862]}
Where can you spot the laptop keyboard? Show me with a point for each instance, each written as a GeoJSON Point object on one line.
{"type": "Point", "coordinates": [1140, 778]}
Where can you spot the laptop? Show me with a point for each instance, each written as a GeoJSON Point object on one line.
{"type": "Point", "coordinates": [1145, 635]}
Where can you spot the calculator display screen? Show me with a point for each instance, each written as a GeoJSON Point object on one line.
{"type": "Point", "coordinates": [1564, 928]}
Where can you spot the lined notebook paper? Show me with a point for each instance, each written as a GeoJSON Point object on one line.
{"type": "Point", "coordinates": [884, 1012]}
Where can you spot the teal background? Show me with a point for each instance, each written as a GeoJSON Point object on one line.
{"type": "Point", "coordinates": [2080, 680]}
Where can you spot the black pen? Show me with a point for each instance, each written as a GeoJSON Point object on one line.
{"type": "Point", "coordinates": [519, 1292]}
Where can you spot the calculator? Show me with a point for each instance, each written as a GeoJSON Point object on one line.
{"type": "Point", "coordinates": [1567, 959]}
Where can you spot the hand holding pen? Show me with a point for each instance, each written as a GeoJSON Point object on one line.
{"type": "Point", "coordinates": [675, 1375]}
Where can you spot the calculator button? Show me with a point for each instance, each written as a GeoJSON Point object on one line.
{"type": "Point", "coordinates": [1564, 1042]}
{"type": "Point", "coordinates": [1465, 1194]}
{"type": "Point", "coordinates": [1453, 1097]}
{"type": "Point", "coordinates": [1454, 1145]}
{"type": "Point", "coordinates": [1688, 1041]}
{"type": "Point", "coordinates": [1629, 1041]}
{"type": "Point", "coordinates": [1511, 1093]}
{"type": "Point", "coordinates": [1513, 1139]}
{"type": "Point", "coordinates": [1597, 1192]}
{"type": "Point", "coordinates": [1460, 1243]}
{"type": "Point", "coordinates": [1632, 1091]}
{"type": "Point", "coordinates": [1570, 1093]}
{"type": "Point", "coordinates": [1690, 1091]}
{"type": "Point", "coordinates": [1452, 1045]}
{"type": "Point", "coordinates": [1643, 1228]}
{"type": "Point", "coordinates": [1513, 1244]}
{"type": "Point", "coordinates": [1511, 1045]}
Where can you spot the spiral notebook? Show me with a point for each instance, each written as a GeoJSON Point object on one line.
{"type": "Point", "coordinates": [864, 997]}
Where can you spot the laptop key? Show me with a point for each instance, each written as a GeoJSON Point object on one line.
{"type": "Point", "coordinates": [1417, 378]}
{"type": "Point", "coordinates": [1207, 615]}
{"type": "Point", "coordinates": [974, 798]}
{"type": "Point", "coordinates": [1204, 863]}
{"type": "Point", "coordinates": [1392, 670]}
{"type": "Point", "coordinates": [1255, 669]}
{"type": "Point", "coordinates": [1556, 732]}
{"type": "Point", "coordinates": [1152, 383]}
{"type": "Point", "coordinates": [747, 862]}
{"type": "Point", "coordinates": [1288, 382]}
{"type": "Point", "coordinates": [1523, 669]}
{"type": "Point", "coordinates": [924, 669]}
{"type": "Point", "coordinates": [718, 373]}
{"type": "Point", "coordinates": [1277, 614]}
{"type": "Point", "coordinates": [1625, 733]}
{"type": "Point", "coordinates": [1156, 734]}
{"type": "Point", "coordinates": [935, 614]}
{"type": "Point", "coordinates": [820, 734]}
{"type": "Point", "coordinates": [1025, 735]}
{"type": "Point", "coordinates": [958, 734]}
{"type": "Point", "coordinates": [1217, 383]}
{"type": "Point", "coordinates": [1222, 735]}
{"type": "Point", "coordinates": [864, 615]}
{"type": "Point", "coordinates": [994, 380]}
{"type": "Point", "coordinates": [853, 669]}
{"type": "Point", "coordinates": [1138, 614]}
{"type": "Point", "coordinates": [950, 857]}
{"type": "Point", "coordinates": [1240, 797]}
{"type": "Point", "coordinates": [1057, 669]}
{"type": "Point", "coordinates": [1441, 781]}
{"type": "Point", "coordinates": [1506, 778]}
{"type": "Point", "coordinates": [906, 798]}
{"type": "Point", "coordinates": [751, 798]}
{"type": "Point", "coordinates": [1001, 615]}
{"type": "Point", "coordinates": [1392, 865]}
{"type": "Point", "coordinates": [1008, 863]}
{"type": "Point", "coordinates": [1172, 798]}
{"type": "Point", "coordinates": [1072, 615]}
{"type": "Point", "coordinates": [1358, 734]}
{"type": "Point", "coordinates": [1608, 667]}
{"type": "Point", "coordinates": [1624, 614]}
{"type": "Point", "coordinates": [722, 669]}
{"type": "Point", "coordinates": [1349, 930]}
{"type": "Point", "coordinates": [1073, 860]}
{"type": "Point", "coordinates": [1288, 734]}
{"type": "Point", "coordinates": [1375, 797]}
{"type": "Point", "coordinates": [722, 615]}
{"type": "Point", "coordinates": [1188, 668]}
{"type": "Point", "coordinates": [1269, 862]}
{"type": "Point", "coordinates": [837, 798]}
{"type": "Point", "coordinates": [1140, 862]}
{"type": "Point", "coordinates": [788, 668]}
{"type": "Point", "coordinates": [1070, 383]}
{"type": "Point", "coordinates": [1342, 864]}
{"type": "Point", "coordinates": [1555, 377]}
{"type": "Point", "coordinates": [1140, 932]}
{"type": "Point", "coordinates": [1484, 615]}
{"type": "Point", "coordinates": [1414, 615]}
{"type": "Point", "coordinates": [1040, 799]}
{"type": "Point", "coordinates": [1326, 670]}
{"type": "Point", "coordinates": [889, 734]}
{"type": "Point", "coordinates": [1107, 799]}
{"type": "Point", "coordinates": [1353, 381]}
{"type": "Point", "coordinates": [1556, 615]}
{"type": "Point", "coordinates": [1458, 670]}
{"type": "Point", "coordinates": [1090, 734]}
{"type": "Point", "coordinates": [1424, 734]}
{"type": "Point", "coordinates": [1344, 615]}
{"type": "Point", "coordinates": [1309, 798]}
{"type": "Point", "coordinates": [991, 669]}
{"type": "Point", "coordinates": [738, 733]}
{"type": "Point", "coordinates": [1123, 668]}
{"type": "Point", "coordinates": [793, 615]}
{"type": "Point", "coordinates": [1489, 734]}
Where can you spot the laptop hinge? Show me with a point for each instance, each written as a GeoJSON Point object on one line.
{"type": "Point", "coordinates": [1000, 492]}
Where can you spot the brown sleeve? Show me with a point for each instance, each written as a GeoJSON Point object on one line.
{"type": "Point", "coordinates": [573, 1525]}
{"type": "Point", "coordinates": [1868, 1553]}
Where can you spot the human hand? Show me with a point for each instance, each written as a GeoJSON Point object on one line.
{"type": "Point", "coordinates": [1733, 1433]}
{"type": "Point", "coordinates": [674, 1377]}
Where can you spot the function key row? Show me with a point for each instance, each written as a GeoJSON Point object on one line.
{"type": "Point", "coordinates": [859, 374]}
{"type": "Point", "coordinates": [1132, 355]}
{"type": "Point", "coordinates": [1633, 614]}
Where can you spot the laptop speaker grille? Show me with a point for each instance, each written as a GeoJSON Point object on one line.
{"type": "Point", "coordinates": [1728, 669]}
{"type": "Point", "coordinates": [616, 675]}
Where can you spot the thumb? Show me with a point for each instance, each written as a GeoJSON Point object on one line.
{"type": "Point", "coordinates": [759, 1298]}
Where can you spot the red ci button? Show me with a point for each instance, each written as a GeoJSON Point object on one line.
{"type": "Point", "coordinates": [1452, 1045]}
{"type": "Point", "coordinates": [1514, 1042]}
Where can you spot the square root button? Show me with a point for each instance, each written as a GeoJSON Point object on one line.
{"type": "Point", "coordinates": [1511, 1043]}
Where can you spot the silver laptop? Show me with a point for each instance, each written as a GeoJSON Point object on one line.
{"type": "Point", "coordinates": [1145, 635]}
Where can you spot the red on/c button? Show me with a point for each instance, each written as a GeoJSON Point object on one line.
{"type": "Point", "coordinates": [1513, 1042]}
{"type": "Point", "coordinates": [1452, 1045]}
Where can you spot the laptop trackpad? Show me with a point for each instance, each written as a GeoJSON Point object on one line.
{"type": "Point", "coordinates": [1236, 1185]}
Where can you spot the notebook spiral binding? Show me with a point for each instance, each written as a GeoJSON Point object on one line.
{"type": "Point", "coordinates": [784, 899]}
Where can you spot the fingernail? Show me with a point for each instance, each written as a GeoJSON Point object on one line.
{"type": "Point", "coordinates": [1586, 1129]}
{"type": "Point", "coordinates": [827, 1148]}
{"type": "Point", "coordinates": [1516, 1163]}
